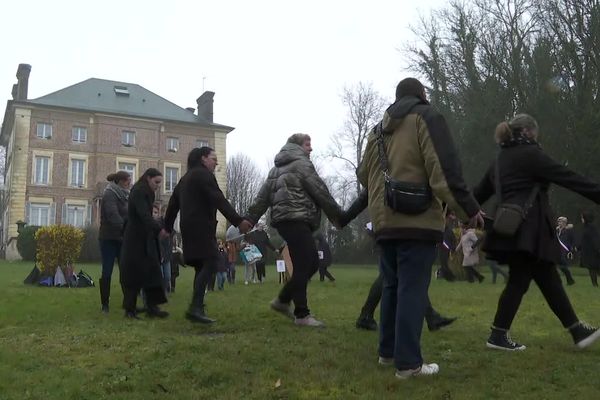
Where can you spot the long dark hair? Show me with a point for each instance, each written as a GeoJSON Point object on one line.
{"type": "Point", "coordinates": [195, 157]}
{"type": "Point", "coordinates": [149, 173]}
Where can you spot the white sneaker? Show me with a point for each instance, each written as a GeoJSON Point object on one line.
{"type": "Point", "coordinates": [283, 308]}
{"type": "Point", "coordinates": [423, 370]}
{"type": "Point", "coordinates": [385, 361]}
{"type": "Point", "coordinates": [309, 320]}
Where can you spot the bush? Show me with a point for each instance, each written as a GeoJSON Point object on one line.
{"type": "Point", "coordinates": [57, 245]}
{"type": "Point", "coordinates": [26, 243]}
{"type": "Point", "coordinates": [90, 249]}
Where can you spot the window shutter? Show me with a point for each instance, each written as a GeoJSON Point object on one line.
{"type": "Point", "coordinates": [63, 215]}
{"type": "Point", "coordinates": [27, 210]}
{"type": "Point", "coordinates": [52, 213]}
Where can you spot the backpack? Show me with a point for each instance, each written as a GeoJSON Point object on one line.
{"type": "Point", "coordinates": [84, 280]}
{"type": "Point", "coordinates": [33, 277]}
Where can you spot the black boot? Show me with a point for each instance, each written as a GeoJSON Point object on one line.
{"type": "Point", "coordinates": [156, 312]}
{"type": "Point", "coordinates": [104, 294]}
{"type": "Point", "coordinates": [435, 321]}
{"type": "Point", "coordinates": [197, 314]}
{"type": "Point", "coordinates": [366, 322]}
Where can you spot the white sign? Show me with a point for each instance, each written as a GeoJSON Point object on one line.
{"type": "Point", "coordinates": [321, 256]}
{"type": "Point", "coordinates": [280, 266]}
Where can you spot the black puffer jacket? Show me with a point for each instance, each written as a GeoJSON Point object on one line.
{"type": "Point", "coordinates": [294, 191]}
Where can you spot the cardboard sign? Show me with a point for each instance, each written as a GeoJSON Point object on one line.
{"type": "Point", "coordinates": [280, 266]}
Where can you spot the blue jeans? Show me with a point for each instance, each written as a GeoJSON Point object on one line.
{"type": "Point", "coordinates": [406, 269]}
{"type": "Point", "coordinates": [166, 273]}
{"type": "Point", "coordinates": [221, 278]}
{"type": "Point", "coordinates": [110, 251]}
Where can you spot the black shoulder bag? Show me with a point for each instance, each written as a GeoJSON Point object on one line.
{"type": "Point", "coordinates": [509, 217]}
{"type": "Point", "coordinates": [403, 197]}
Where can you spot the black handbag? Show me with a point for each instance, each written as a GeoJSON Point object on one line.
{"type": "Point", "coordinates": [509, 217]}
{"type": "Point", "coordinates": [403, 197]}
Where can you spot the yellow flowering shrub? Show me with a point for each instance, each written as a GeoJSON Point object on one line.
{"type": "Point", "coordinates": [57, 245]}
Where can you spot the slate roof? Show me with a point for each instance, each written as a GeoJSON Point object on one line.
{"type": "Point", "coordinates": [99, 95]}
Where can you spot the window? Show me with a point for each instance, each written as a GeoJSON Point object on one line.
{"type": "Point", "coordinates": [41, 174]}
{"type": "Point", "coordinates": [121, 91]}
{"type": "Point", "coordinates": [172, 144]}
{"type": "Point", "coordinates": [79, 134]}
{"type": "Point", "coordinates": [171, 178]}
{"type": "Point", "coordinates": [128, 138]}
{"type": "Point", "coordinates": [201, 143]}
{"type": "Point", "coordinates": [128, 167]}
{"type": "Point", "coordinates": [44, 131]}
{"type": "Point", "coordinates": [39, 214]}
{"type": "Point", "coordinates": [75, 214]}
{"type": "Point", "coordinates": [77, 172]}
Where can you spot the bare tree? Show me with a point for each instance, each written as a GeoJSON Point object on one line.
{"type": "Point", "coordinates": [364, 108]}
{"type": "Point", "coordinates": [244, 179]}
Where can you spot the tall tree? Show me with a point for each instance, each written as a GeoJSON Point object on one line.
{"type": "Point", "coordinates": [244, 179]}
{"type": "Point", "coordinates": [364, 108]}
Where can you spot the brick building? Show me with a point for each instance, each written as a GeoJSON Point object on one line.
{"type": "Point", "coordinates": [60, 148]}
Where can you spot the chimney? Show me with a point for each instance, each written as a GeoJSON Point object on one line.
{"type": "Point", "coordinates": [205, 105]}
{"type": "Point", "coordinates": [22, 81]}
{"type": "Point", "coordinates": [190, 109]}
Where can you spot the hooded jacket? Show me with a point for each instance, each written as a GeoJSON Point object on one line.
{"type": "Point", "coordinates": [294, 191]}
{"type": "Point", "coordinates": [420, 150]}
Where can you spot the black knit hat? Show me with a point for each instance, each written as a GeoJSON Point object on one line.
{"type": "Point", "coordinates": [409, 87]}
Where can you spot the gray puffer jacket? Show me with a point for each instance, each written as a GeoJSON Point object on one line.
{"type": "Point", "coordinates": [294, 191]}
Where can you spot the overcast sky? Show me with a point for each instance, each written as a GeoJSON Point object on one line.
{"type": "Point", "coordinates": [277, 67]}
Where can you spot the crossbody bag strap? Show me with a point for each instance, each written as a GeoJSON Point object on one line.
{"type": "Point", "coordinates": [531, 199]}
{"type": "Point", "coordinates": [383, 161]}
{"type": "Point", "coordinates": [497, 185]}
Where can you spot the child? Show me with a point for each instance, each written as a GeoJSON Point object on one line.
{"type": "Point", "coordinates": [165, 251]}
{"type": "Point", "coordinates": [470, 253]}
{"type": "Point", "coordinates": [222, 266]}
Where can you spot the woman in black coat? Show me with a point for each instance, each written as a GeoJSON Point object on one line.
{"type": "Point", "coordinates": [113, 214]}
{"type": "Point", "coordinates": [590, 246]}
{"type": "Point", "coordinates": [533, 251]}
{"type": "Point", "coordinates": [140, 254]}
{"type": "Point", "coordinates": [197, 197]}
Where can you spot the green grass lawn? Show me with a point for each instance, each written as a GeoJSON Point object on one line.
{"type": "Point", "coordinates": [55, 344]}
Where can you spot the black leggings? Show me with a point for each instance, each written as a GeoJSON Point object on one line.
{"type": "Point", "coordinates": [303, 253]}
{"type": "Point", "coordinates": [521, 271]}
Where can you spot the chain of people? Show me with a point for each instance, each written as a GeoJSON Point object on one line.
{"type": "Point", "coordinates": [415, 194]}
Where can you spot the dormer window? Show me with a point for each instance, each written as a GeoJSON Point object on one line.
{"type": "Point", "coordinates": [121, 91]}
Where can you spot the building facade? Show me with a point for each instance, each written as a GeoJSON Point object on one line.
{"type": "Point", "coordinates": [61, 147]}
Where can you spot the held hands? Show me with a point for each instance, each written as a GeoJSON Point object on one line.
{"type": "Point", "coordinates": [476, 220]}
{"type": "Point", "coordinates": [245, 226]}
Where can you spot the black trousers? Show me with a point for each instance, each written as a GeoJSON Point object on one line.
{"type": "Point", "coordinates": [521, 271]}
{"type": "Point", "coordinates": [368, 309]}
{"type": "Point", "coordinates": [261, 271]}
{"type": "Point", "coordinates": [153, 297]}
{"type": "Point", "coordinates": [303, 253]}
{"type": "Point", "coordinates": [323, 273]}
{"type": "Point", "coordinates": [567, 273]}
{"type": "Point", "coordinates": [204, 272]}
{"type": "Point", "coordinates": [445, 271]}
{"type": "Point", "coordinates": [594, 276]}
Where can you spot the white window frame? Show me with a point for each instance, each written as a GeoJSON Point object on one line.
{"type": "Point", "coordinates": [77, 132]}
{"type": "Point", "coordinates": [202, 143]}
{"type": "Point", "coordinates": [128, 138]}
{"type": "Point", "coordinates": [79, 205]}
{"type": "Point", "coordinates": [34, 172]}
{"type": "Point", "coordinates": [172, 144]}
{"type": "Point", "coordinates": [40, 202]}
{"type": "Point", "coordinates": [46, 130]}
{"type": "Point", "coordinates": [128, 161]}
{"type": "Point", "coordinates": [70, 177]}
{"type": "Point", "coordinates": [170, 166]}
